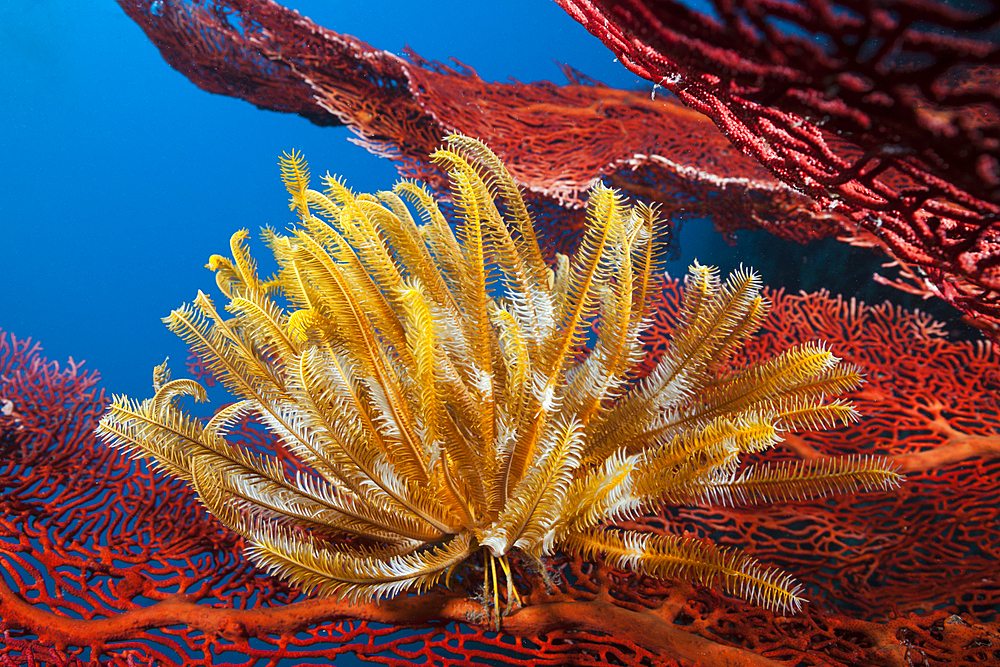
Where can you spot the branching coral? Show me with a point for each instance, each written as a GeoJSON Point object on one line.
{"type": "Point", "coordinates": [881, 128]}
{"type": "Point", "coordinates": [167, 580]}
{"type": "Point", "coordinates": [555, 139]}
{"type": "Point", "coordinates": [887, 112]}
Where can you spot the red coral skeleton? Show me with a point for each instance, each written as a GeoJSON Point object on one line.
{"type": "Point", "coordinates": [104, 560]}
{"type": "Point", "coordinates": [555, 139]}
{"type": "Point", "coordinates": [928, 403]}
{"type": "Point", "coordinates": [854, 134]}
{"type": "Point", "coordinates": [887, 111]}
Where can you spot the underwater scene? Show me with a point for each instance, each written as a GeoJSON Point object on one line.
{"type": "Point", "coordinates": [542, 332]}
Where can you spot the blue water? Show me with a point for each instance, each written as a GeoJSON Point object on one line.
{"type": "Point", "coordinates": [118, 177]}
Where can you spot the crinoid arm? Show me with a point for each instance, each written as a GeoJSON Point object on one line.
{"type": "Point", "coordinates": [694, 560]}
{"type": "Point", "coordinates": [795, 480]}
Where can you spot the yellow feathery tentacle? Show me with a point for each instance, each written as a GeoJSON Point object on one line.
{"type": "Point", "coordinates": [588, 271]}
{"type": "Point", "coordinates": [337, 191]}
{"type": "Point", "coordinates": [643, 242]}
{"type": "Point", "coordinates": [814, 414]}
{"type": "Point", "coordinates": [436, 434]}
{"type": "Point", "coordinates": [369, 297]}
{"type": "Point", "coordinates": [178, 444]}
{"type": "Point", "coordinates": [355, 451]}
{"type": "Point", "coordinates": [172, 389]}
{"type": "Point", "coordinates": [408, 244]}
{"type": "Point", "coordinates": [266, 323]}
{"type": "Point", "coordinates": [614, 352]}
{"type": "Point", "coordinates": [324, 205]}
{"type": "Point", "coordinates": [363, 226]}
{"type": "Point", "coordinates": [710, 315]}
{"type": "Point", "coordinates": [227, 279]}
{"type": "Point", "coordinates": [476, 291]}
{"type": "Point", "coordinates": [519, 218]}
{"type": "Point", "coordinates": [295, 176]}
{"type": "Point", "coordinates": [242, 261]}
{"type": "Point", "coordinates": [224, 419]}
{"type": "Point", "coordinates": [672, 556]}
{"type": "Point", "coordinates": [518, 367]}
{"type": "Point", "coordinates": [223, 352]}
{"type": "Point", "coordinates": [358, 576]}
{"type": "Point", "coordinates": [798, 480]}
{"type": "Point", "coordinates": [367, 348]}
{"type": "Point", "coordinates": [535, 501]}
{"type": "Point", "coordinates": [437, 234]}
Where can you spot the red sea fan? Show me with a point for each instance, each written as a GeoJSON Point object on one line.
{"type": "Point", "coordinates": [886, 111]}
{"type": "Point", "coordinates": [106, 561]}
{"type": "Point", "coordinates": [555, 139]}
{"type": "Point", "coordinates": [928, 403]}
{"type": "Point", "coordinates": [880, 128]}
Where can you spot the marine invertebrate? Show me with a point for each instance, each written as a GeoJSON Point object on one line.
{"type": "Point", "coordinates": [881, 131]}
{"type": "Point", "coordinates": [555, 139]}
{"type": "Point", "coordinates": [887, 112]}
{"type": "Point", "coordinates": [440, 396]}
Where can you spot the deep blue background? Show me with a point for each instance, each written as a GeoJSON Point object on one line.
{"type": "Point", "coordinates": [118, 177]}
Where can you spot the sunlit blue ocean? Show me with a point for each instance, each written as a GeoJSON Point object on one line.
{"type": "Point", "coordinates": [119, 178]}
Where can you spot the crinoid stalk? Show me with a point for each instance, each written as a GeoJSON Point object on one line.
{"type": "Point", "coordinates": [443, 394]}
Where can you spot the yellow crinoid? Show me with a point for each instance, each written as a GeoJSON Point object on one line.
{"type": "Point", "coordinates": [443, 394]}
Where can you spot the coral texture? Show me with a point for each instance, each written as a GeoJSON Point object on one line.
{"type": "Point", "coordinates": [556, 140]}
{"type": "Point", "coordinates": [886, 111]}
{"type": "Point", "coordinates": [890, 155]}
{"type": "Point", "coordinates": [167, 580]}
{"type": "Point", "coordinates": [165, 583]}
